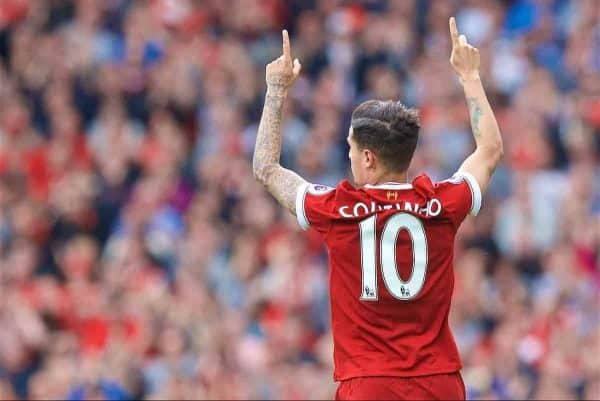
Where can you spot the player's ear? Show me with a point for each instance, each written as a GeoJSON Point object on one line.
{"type": "Point", "coordinates": [368, 158]}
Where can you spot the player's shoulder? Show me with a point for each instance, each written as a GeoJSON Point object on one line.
{"type": "Point", "coordinates": [462, 185]}
{"type": "Point", "coordinates": [458, 182]}
{"type": "Point", "coordinates": [343, 187]}
{"type": "Point", "coordinates": [458, 179]}
{"type": "Point", "coordinates": [327, 198]}
{"type": "Point", "coordinates": [457, 194]}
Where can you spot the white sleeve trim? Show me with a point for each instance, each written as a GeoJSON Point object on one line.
{"type": "Point", "coordinates": [300, 212]}
{"type": "Point", "coordinates": [475, 191]}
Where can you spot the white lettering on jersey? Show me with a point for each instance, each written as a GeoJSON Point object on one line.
{"type": "Point", "coordinates": [408, 207]}
{"type": "Point", "coordinates": [432, 208]}
{"type": "Point", "coordinates": [359, 205]}
{"type": "Point", "coordinates": [344, 213]}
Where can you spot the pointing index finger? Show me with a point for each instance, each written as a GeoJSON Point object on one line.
{"type": "Point", "coordinates": [453, 32]}
{"type": "Point", "coordinates": [287, 53]}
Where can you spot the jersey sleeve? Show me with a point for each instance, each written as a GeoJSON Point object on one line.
{"type": "Point", "coordinates": [315, 206]}
{"type": "Point", "coordinates": [461, 196]}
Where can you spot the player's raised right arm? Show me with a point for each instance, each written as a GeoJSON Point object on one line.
{"type": "Point", "coordinates": [483, 161]}
{"type": "Point", "coordinates": [282, 183]}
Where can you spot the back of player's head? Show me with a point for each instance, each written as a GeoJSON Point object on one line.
{"type": "Point", "coordinates": [389, 129]}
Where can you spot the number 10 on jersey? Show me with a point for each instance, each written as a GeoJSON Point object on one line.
{"type": "Point", "coordinates": [403, 290]}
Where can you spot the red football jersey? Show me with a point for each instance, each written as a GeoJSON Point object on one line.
{"type": "Point", "coordinates": [391, 271]}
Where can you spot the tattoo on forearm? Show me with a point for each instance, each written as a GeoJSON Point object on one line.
{"type": "Point", "coordinates": [476, 113]}
{"type": "Point", "coordinates": [268, 139]}
{"type": "Point", "coordinates": [280, 182]}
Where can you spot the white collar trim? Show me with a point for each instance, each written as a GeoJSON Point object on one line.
{"type": "Point", "coordinates": [390, 185]}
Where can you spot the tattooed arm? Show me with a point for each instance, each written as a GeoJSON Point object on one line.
{"type": "Point", "coordinates": [483, 161]}
{"type": "Point", "coordinates": [280, 182]}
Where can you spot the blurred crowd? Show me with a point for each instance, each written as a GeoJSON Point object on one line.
{"type": "Point", "coordinates": [140, 259]}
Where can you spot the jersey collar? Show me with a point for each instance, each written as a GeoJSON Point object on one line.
{"type": "Point", "coordinates": [390, 185]}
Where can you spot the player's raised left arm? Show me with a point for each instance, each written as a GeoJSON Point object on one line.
{"type": "Point", "coordinates": [280, 182]}
{"type": "Point", "coordinates": [484, 160]}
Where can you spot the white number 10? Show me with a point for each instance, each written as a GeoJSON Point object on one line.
{"type": "Point", "coordinates": [398, 288]}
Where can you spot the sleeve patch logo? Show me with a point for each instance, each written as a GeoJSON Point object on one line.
{"type": "Point", "coordinates": [318, 189]}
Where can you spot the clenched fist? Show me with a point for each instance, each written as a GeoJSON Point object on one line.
{"type": "Point", "coordinates": [282, 73]}
{"type": "Point", "coordinates": [464, 58]}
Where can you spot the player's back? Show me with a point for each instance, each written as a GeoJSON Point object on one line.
{"type": "Point", "coordinates": [391, 278]}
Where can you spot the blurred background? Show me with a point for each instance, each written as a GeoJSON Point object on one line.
{"type": "Point", "coordinates": [140, 259]}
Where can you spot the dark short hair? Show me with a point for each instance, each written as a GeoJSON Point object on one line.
{"type": "Point", "coordinates": [389, 129]}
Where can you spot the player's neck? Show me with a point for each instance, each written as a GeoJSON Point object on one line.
{"type": "Point", "coordinates": [391, 177]}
